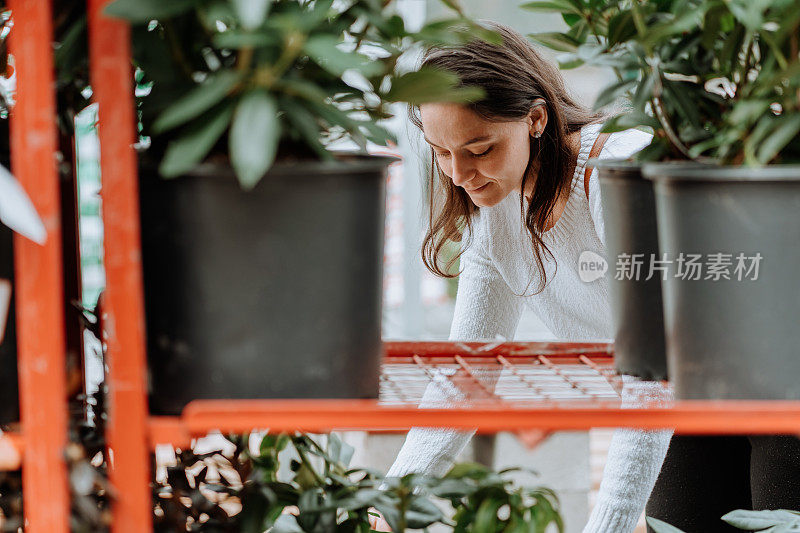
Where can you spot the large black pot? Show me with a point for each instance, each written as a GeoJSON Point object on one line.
{"type": "Point", "coordinates": [271, 293]}
{"type": "Point", "coordinates": [629, 215]}
{"type": "Point", "coordinates": [9, 385]}
{"type": "Point", "coordinates": [731, 338]}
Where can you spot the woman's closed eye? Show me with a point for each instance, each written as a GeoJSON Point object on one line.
{"type": "Point", "coordinates": [447, 154]}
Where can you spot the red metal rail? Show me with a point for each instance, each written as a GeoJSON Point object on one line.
{"type": "Point", "coordinates": [112, 86]}
{"type": "Point", "coordinates": [38, 270]}
{"type": "Point", "coordinates": [686, 417]}
{"type": "Point", "coordinates": [502, 387]}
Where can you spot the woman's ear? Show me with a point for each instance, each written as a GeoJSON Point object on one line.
{"type": "Point", "coordinates": [537, 118]}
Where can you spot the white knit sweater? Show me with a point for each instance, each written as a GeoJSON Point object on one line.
{"type": "Point", "coordinates": [496, 268]}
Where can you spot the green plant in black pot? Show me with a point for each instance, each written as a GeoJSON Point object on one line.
{"type": "Point", "coordinates": [245, 491]}
{"type": "Point", "coordinates": [718, 84]}
{"type": "Point", "coordinates": [598, 34]}
{"type": "Point", "coordinates": [727, 220]}
{"type": "Point", "coordinates": [262, 252]}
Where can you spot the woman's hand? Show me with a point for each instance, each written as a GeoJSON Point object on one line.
{"type": "Point", "coordinates": [377, 523]}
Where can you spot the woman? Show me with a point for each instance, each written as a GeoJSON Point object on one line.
{"type": "Point", "coordinates": [512, 169]}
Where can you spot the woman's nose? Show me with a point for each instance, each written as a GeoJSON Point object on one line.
{"type": "Point", "coordinates": [461, 171]}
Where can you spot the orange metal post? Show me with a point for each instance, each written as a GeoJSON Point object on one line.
{"type": "Point", "coordinates": [112, 85]}
{"type": "Point", "coordinates": [38, 270]}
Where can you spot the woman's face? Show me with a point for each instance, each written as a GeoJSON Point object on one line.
{"type": "Point", "coordinates": [487, 159]}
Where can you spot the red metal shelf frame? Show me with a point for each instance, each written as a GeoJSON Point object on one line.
{"type": "Point", "coordinates": [41, 334]}
{"type": "Point", "coordinates": [546, 386]}
{"type": "Point", "coordinates": [539, 386]}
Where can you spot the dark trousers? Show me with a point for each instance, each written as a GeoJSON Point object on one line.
{"type": "Point", "coordinates": [704, 478]}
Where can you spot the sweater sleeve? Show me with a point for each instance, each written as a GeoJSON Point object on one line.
{"type": "Point", "coordinates": [632, 467]}
{"type": "Point", "coordinates": [485, 309]}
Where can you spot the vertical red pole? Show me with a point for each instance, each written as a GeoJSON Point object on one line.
{"type": "Point", "coordinates": [38, 270]}
{"type": "Point", "coordinates": [112, 86]}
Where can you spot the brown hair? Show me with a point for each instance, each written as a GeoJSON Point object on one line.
{"type": "Point", "coordinates": [513, 75]}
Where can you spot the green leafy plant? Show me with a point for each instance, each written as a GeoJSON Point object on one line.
{"type": "Point", "coordinates": [485, 501]}
{"type": "Point", "coordinates": [777, 521]}
{"type": "Point", "coordinates": [240, 490]}
{"type": "Point", "coordinates": [283, 78]}
{"type": "Point", "coordinates": [714, 80]}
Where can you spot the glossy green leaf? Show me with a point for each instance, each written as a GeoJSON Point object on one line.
{"type": "Point", "coordinates": [785, 130]}
{"type": "Point", "coordinates": [626, 121]}
{"type": "Point", "coordinates": [251, 13]}
{"type": "Point", "coordinates": [422, 513]}
{"type": "Point", "coordinates": [286, 523]}
{"type": "Point", "coordinates": [146, 10]}
{"type": "Point", "coordinates": [681, 96]}
{"type": "Point", "coordinates": [305, 123]}
{"type": "Point", "coordinates": [378, 134]}
{"type": "Point", "coordinates": [579, 30]}
{"type": "Point", "coordinates": [560, 42]}
{"type": "Point", "coordinates": [430, 85]}
{"type": "Point", "coordinates": [568, 61]}
{"type": "Point", "coordinates": [325, 51]}
{"type": "Point", "coordinates": [195, 102]}
{"type": "Point", "coordinates": [610, 93]}
{"type": "Point", "coordinates": [467, 469]}
{"type": "Point", "coordinates": [391, 514]}
{"type": "Point", "coordinates": [661, 527]}
{"type": "Point", "coordinates": [748, 111]}
{"type": "Point", "coordinates": [759, 520]}
{"type": "Point", "coordinates": [302, 88]}
{"type": "Point", "coordinates": [588, 52]}
{"type": "Point", "coordinates": [255, 132]}
{"type": "Point", "coordinates": [621, 28]}
{"type": "Point", "coordinates": [749, 12]}
{"type": "Point", "coordinates": [236, 39]}
{"type": "Point", "coordinates": [185, 152]}
{"type": "Point", "coordinates": [554, 6]}
{"type": "Point", "coordinates": [486, 516]}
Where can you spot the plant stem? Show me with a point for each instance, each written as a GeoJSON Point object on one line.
{"type": "Point", "coordinates": [176, 50]}
{"type": "Point", "coordinates": [795, 48]}
{"type": "Point", "coordinates": [641, 28]}
{"type": "Point", "coordinates": [658, 89]}
{"type": "Point", "coordinates": [244, 59]}
{"type": "Point", "coordinates": [307, 463]}
{"type": "Point", "coordinates": [294, 44]}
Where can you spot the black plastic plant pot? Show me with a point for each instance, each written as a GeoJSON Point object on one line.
{"type": "Point", "coordinates": [630, 232]}
{"type": "Point", "coordinates": [733, 322]}
{"type": "Point", "coordinates": [270, 293]}
{"type": "Point", "coordinates": [9, 385]}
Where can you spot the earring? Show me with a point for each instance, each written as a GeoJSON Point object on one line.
{"type": "Point", "coordinates": [537, 134]}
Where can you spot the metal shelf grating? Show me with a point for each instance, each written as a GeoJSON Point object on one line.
{"type": "Point", "coordinates": [537, 379]}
